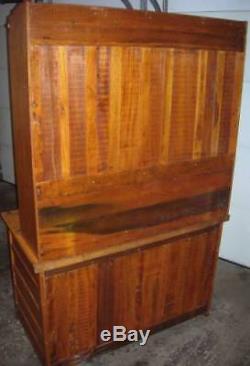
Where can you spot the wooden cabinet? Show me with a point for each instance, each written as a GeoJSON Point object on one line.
{"type": "Point", "coordinates": [125, 127]}
{"type": "Point", "coordinates": [64, 310]}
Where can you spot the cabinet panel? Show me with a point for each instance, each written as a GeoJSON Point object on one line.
{"type": "Point", "coordinates": [147, 288]}
{"type": "Point", "coordinates": [71, 312]}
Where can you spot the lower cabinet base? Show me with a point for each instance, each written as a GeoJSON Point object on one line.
{"type": "Point", "coordinates": [64, 311]}
{"type": "Point", "coordinates": [76, 360]}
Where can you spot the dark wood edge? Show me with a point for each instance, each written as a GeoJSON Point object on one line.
{"type": "Point", "coordinates": [60, 23]}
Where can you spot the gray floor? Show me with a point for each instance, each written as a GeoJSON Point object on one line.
{"type": "Point", "coordinates": [222, 339]}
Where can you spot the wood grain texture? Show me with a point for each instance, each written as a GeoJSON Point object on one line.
{"type": "Point", "coordinates": [27, 297]}
{"type": "Point", "coordinates": [153, 271]}
{"type": "Point", "coordinates": [79, 24]}
{"type": "Point", "coordinates": [64, 311]}
{"type": "Point", "coordinates": [20, 104]}
{"type": "Point", "coordinates": [71, 306]}
{"type": "Point", "coordinates": [151, 204]}
{"type": "Point", "coordinates": [135, 290]}
{"type": "Point", "coordinates": [125, 126]}
{"type": "Point", "coordinates": [125, 115]}
{"type": "Point", "coordinates": [154, 237]}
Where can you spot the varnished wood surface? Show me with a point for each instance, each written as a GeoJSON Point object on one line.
{"type": "Point", "coordinates": [28, 296]}
{"type": "Point", "coordinates": [110, 247]}
{"type": "Point", "coordinates": [140, 290]}
{"type": "Point", "coordinates": [174, 181]}
{"type": "Point", "coordinates": [117, 217]}
{"type": "Point", "coordinates": [100, 220]}
{"type": "Point", "coordinates": [151, 121]}
{"type": "Point", "coordinates": [125, 127]}
{"type": "Point", "coordinates": [64, 311]}
{"type": "Point", "coordinates": [103, 111]}
{"type": "Point", "coordinates": [146, 278]}
{"type": "Point", "coordinates": [79, 24]}
{"type": "Point", "coordinates": [19, 60]}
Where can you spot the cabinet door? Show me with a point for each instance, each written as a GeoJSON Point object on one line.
{"type": "Point", "coordinates": [71, 312]}
{"type": "Point", "coordinates": [144, 289]}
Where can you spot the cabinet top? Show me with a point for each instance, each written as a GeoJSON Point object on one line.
{"type": "Point", "coordinates": [77, 24]}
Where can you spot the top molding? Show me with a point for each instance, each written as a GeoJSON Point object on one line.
{"type": "Point", "coordinates": [76, 24]}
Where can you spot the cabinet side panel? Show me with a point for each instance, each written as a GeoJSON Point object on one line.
{"type": "Point", "coordinates": [17, 39]}
{"type": "Point", "coordinates": [27, 297]}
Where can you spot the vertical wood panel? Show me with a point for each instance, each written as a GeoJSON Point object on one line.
{"type": "Point", "coordinates": [115, 106]}
{"type": "Point", "coordinates": [210, 104]}
{"type": "Point", "coordinates": [154, 286]}
{"type": "Point", "coordinates": [102, 110]}
{"type": "Point", "coordinates": [102, 117]}
{"type": "Point", "coordinates": [183, 105]}
{"type": "Point", "coordinates": [169, 78]}
{"type": "Point", "coordinates": [128, 272]}
{"type": "Point", "coordinates": [130, 130]}
{"type": "Point", "coordinates": [218, 87]}
{"type": "Point", "coordinates": [71, 301]}
{"type": "Point", "coordinates": [90, 97]}
{"type": "Point", "coordinates": [105, 297]}
{"type": "Point", "coordinates": [77, 122]}
{"type": "Point", "coordinates": [62, 101]}
{"type": "Point", "coordinates": [143, 141]}
{"type": "Point", "coordinates": [50, 132]}
{"type": "Point", "coordinates": [226, 107]}
{"type": "Point", "coordinates": [157, 84]}
{"type": "Point", "coordinates": [200, 103]}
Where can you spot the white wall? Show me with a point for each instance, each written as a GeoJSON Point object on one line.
{"type": "Point", "coordinates": [208, 5]}
{"type": "Point", "coordinates": [109, 3]}
{"type": "Point", "coordinates": [6, 154]}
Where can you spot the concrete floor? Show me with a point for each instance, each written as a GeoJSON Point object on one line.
{"type": "Point", "coordinates": [222, 339]}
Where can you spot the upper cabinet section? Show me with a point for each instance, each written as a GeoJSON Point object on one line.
{"type": "Point", "coordinates": [125, 122]}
